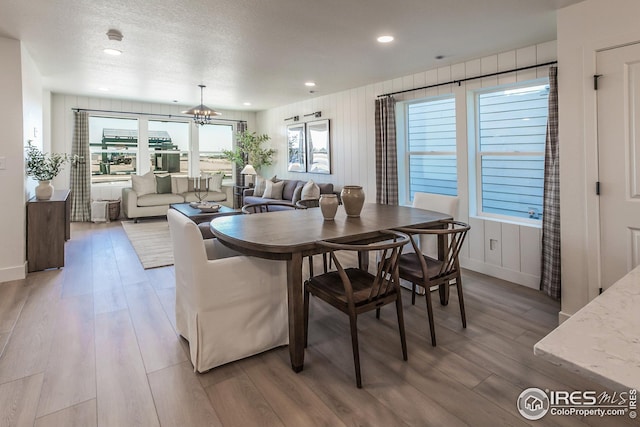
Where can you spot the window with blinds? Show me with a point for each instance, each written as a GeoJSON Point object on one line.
{"type": "Point", "coordinates": [431, 146]}
{"type": "Point", "coordinates": [511, 132]}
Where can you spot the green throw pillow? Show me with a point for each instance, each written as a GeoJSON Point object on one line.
{"type": "Point", "coordinates": [163, 184]}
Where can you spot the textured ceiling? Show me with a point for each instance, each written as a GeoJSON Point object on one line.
{"type": "Point", "coordinates": [260, 51]}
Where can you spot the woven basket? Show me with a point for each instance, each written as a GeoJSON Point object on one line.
{"type": "Point", "coordinates": [114, 209]}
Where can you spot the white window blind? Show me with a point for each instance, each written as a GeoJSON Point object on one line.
{"type": "Point", "coordinates": [431, 146]}
{"type": "Point", "coordinates": [510, 151]}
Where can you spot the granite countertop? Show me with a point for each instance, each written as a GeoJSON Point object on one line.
{"type": "Point", "coordinates": [602, 340]}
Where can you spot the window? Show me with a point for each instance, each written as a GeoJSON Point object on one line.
{"type": "Point", "coordinates": [509, 146]}
{"type": "Point", "coordinates": [213, 139]}
{"type": "Point", "coordinates": [429, 162]}
{"type": "Point", "coordinates": [169, 146]}
{"type": "Point", "coordinates": [113, 147]}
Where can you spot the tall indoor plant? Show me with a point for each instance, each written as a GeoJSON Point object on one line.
{"type": "Point", "coordinates": [249, 150]}
{"type": "Point", "coordinates": [44, 167]}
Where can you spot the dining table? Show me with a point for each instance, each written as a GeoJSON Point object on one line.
{"type": "Point", "coordinates": [291, 235]}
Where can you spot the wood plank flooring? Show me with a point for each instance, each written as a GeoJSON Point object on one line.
{"type": "Point", "coordinates": [94, 344]}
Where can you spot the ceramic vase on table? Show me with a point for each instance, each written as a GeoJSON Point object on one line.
{"type": "Point", "coordinates": [352, 199]}
{"type": "Point", "coordinates": [44, 190]}
{"type": "Point", "coordinates": [329, 206]}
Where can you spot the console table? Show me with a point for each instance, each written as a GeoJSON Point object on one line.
{"type": "Point", "coordinates": [48, 227]}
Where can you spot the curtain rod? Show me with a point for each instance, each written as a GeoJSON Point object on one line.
{"type": "Point", "coordinates": [151, 114]}
{"type": "Point", "coordinates": [459, 82]}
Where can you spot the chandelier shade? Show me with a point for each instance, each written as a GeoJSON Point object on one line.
{"type": "Point", "coordinates": [201, 113]}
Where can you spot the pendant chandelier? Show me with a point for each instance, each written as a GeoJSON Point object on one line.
{"type": "Point", "coordinates": [201, 114]}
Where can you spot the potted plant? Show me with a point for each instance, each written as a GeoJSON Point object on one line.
{"type": "Point", "coordinates": [249, 150]}
{"type": "Point", "coordinates": [44, 167]}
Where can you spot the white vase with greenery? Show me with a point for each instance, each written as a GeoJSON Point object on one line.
{"type": "Point", "coordinates": [44, 167]}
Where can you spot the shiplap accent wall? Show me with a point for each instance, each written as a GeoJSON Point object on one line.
{"type": "Point", "coordinates": [506, 250]}
{"type": "Point", "coordinates": [62, 128]}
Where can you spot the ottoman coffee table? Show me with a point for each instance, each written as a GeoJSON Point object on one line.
{"type": "Point", "coordinates": [203, 218]}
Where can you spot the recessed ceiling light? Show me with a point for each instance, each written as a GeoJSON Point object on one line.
{"type": "Point", "coordinates": [246, 103]}
{"type": "Point", "coordinates": [103, 89]}
{"type": "Point", "coordinates": [310, 84]}
{"type": "Point", "coordinates": [111, 51]}
{"type": "Point", "coordinates": [385, 39]}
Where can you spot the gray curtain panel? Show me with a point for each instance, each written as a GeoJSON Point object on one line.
{"type": "Point", "coordinates": [386, 152]}
{"type": "Point", "coordinates": [80, 175]}
{"type": "Point", "coordinates": [550, 274]}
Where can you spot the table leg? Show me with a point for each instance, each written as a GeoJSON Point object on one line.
{"type": "Point", "coordinates": [443, 289]}
{"type": "Point", "coordinates": [296, 314]}
{"type": "Point", "coordinates": [363, 260]}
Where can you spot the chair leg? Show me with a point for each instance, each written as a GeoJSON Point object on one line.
{"type": "Point", "coordinates": [378, 313]}
{"type": "Point", "coordinates": [324, 262]}
{"type": "Point", "coordinates": [432, 327]}
{"type": "Point", "coordinates": [461, 300]}
{"type": "Point", "coordinates": [354, 343]}
{"type": "Point", "coordinates": [403, 337]}
{"type": "Point", "coordinates": [413, 294]}
{"type": "Point", "coordinates": [306, 316]}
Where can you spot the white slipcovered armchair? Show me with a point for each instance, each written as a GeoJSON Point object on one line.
{"type": "Point", "coordinates": [228, 306]}
{"type": "Point", "coordinates": [429, 244]}
{"type": "Point", "coordinates": [439, 203]}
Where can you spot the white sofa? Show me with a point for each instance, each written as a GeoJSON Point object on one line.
{"type": "Point", "coordinates": [143, 198]}
{"type": "Point", "coordinates": [228, 306]}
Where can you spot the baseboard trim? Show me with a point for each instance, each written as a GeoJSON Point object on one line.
{"type": "Point", "coordinates": [562, 316]}
{"type": "Point", "coordinates": [524, 279]}
{"type": "Point", "coordinates": [13, 273]}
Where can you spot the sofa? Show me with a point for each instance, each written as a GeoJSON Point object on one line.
{"type": "Point", "coordinates": [292, 191]}
{"type": "Point", "coordinates": [151, 195]}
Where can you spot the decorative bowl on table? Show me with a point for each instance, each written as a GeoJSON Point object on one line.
{"type": "Point", "coordinates": [208, 207]}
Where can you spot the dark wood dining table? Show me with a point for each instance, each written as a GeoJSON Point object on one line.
{"type": "Point", "coordinates": [291, 235]}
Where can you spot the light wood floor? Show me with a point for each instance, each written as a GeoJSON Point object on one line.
{"type": "Point", "coordinates": [94, 344]}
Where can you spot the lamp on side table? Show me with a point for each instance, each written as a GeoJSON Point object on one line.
{"type": "Point", "coordinates": [247, 170]}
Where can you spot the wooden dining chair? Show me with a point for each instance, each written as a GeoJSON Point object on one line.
{"type": "Point", "coordinates": [424, 270]}
{"type": "Point", "coordinates": [354, 291]}
{"type": "Point", "coordinates": [261, 207]}
{"type": "Point", "coordinates": [308, 203]}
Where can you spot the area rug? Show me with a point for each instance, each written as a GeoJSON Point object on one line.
{"type": "Point", "coordinates": [151, 241]}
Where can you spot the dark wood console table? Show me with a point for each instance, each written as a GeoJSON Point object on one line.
{"type": "Point", "coordinates": [48, 227]}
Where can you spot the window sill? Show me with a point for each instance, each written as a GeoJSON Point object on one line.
{"type": "Point", "coordinates": [524, 223]}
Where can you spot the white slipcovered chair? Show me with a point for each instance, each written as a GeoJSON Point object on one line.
{"type": "Point", "coordinates": [429, 244]}
{"type": "Point", "coordinates": [228, 306]}
{"type": "Point", "coordinates": [439, 203]}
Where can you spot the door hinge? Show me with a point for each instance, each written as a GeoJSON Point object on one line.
{"type": "Point", "coordinates": [597, 188]}
{"type": "Point", "coordinates": [595, 81]}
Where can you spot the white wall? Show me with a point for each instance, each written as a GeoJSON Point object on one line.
{"type": "Point", "coordinates": [62, 126]}
{"type": "Point", "coordinates": [584, 29]}
{"type": "Point", "coordinates": [12, 178]}
{"type": "Point", "coordinates": [32, 101]}
{"type": "Point", "coordinates": [517, 255]}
